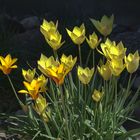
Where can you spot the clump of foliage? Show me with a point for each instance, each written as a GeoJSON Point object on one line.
{"type": "Point", "coordinates": [70, 100]}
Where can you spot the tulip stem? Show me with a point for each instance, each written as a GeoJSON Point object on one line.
{"type": "Point", "coordinates": [88, 57]}
{"type": "Point", "coordinates": [55, 54]}
{"type": "Point", "coordinates": [20, 102]}
{"type": "Point", "coordinates": [93, 58]}
{"type": "Point", "coordinates": [104, 38]}
{"type": "Point", "coordinates": [80, 57]}
{"type": "Point", "coordinates": [64, 110]}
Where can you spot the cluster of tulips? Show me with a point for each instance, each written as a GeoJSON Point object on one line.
{"type": "Point", "coordinates": [62, 91]}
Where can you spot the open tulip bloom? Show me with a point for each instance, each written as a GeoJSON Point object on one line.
{"type": "Point", "coordinates": [68, 100]}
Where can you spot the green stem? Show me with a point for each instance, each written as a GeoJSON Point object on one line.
{"type": "Point", "coordinates": [79, 90]}
{"type": "Point", "coordinates": [93, 58]}
{"type": "Point", "coordinates": [20, 102]}
{"type": "Point", "coordinates": [55, 54]}
{"type": "Point", "coordinates": [64, 111]}
{"type": "Point", "coordinates": [89, 54]}
{"type": "Point", "coordinates": [55, 102]}
{"type": "Point", "coordinates": [104, 38]}
{"type": "Point", "coordinates": [129, 82]}
{"type": "Point", "coordinates": [80, 57]}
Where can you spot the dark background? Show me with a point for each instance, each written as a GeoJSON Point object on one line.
{"type": "Point", "coordinates": [126, 11]}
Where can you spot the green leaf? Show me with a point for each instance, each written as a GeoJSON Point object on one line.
{"type": "Point", "coordinates": [130, 133]}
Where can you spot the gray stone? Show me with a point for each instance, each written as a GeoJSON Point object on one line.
{"type": "Point", "coordinates": [130, 39]}
{"type": "Point", "coordinates": [2, 136]}
{"type": "Point", "coordinates": [30, 22]}
{"type": "Point", "coordinates": [137, 83]}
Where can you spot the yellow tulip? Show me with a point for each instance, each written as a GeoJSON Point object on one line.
{"type": "Point", "coordinates": [29, 74]}
{"type": "Point", "coordinates": [93, 40]}
{"type": "Point", "coordinates": [105, 47]}
{"type": "Point", "coordinates": [7, 64]}
{"type": "Point", "coordinates": [105, 71]}
{"type": "Point", "coordinates": [112, 51]}
{"type": "Point", "coordinates": [68, 61]}
{"type": "Point", "coordinates": [43, 84]}
{"type": "Point", "coordinates": [58, 73]}
{"type": "Point", "coordinates": [78, 34]}
{"type": "Point", "coordinates": [51, 34]}
{"type": "Point", "coordinates": [85, 75]}
{"type": "Point", "coordinates": [54, 39]}
{"type": "Point", "coordinates": [116, 66]}
{"type": "Point", "coordinates": [97, 95]}
{"type": "Point", "coordinates": [46, 62]}
{"type": "Point", "coordinates": [104, 26]}
{"type": "Point", "coordinates": [117, 51]}
{"type": "Point", "coordinates": [33, 88]}
{"type": "Point", "coordinates": [132, 62]}
{"type": "Point", "coordinates": [48, 26]}
{"type": "Point", "coordinates": [41, 106]}
{"type": "Point", "coordinates": [53, 69]}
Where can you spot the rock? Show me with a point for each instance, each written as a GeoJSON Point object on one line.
{"type": "Point", "coordinates": [9, 25]}
{"type": "Point", "coordinates": [2, 136]}
{"type": "Point", "coordinates": [19, 112]}
{"type": "Point", "coordinates": [137, 83]}
{"type": "Point", "coordinates": [129, 38]}
{"type": "Point", "coordinates": [28, 46]}
{"type": "Point", "coordinates": [30, 22]}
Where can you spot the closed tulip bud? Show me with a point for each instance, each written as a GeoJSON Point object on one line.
{"type": "Point", "coordinates": [85, 75]}
{"type": "Point", "coordinates": [78, 34]}
{"type": "Point", "coordinates": [97, 95]}
{"type": "Point", "coordinates": [132, 62]}
{"type": "Point", "coordinates": [105, 71]}
{"type": "Point", "coordinates": [29, 74]}
{"type": "Point", "coordinates": [104, 26]}
{"type": "Point", "coordinates": [93, 40]}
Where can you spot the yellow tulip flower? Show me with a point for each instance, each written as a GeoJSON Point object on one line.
{"type": "Point", "coordinates": [97, 95]}
{"type": "Point", "coordinates": [78, 34]}
{"type": "Point", "coordinates": [116, 66]}
{"type": "Point", "coordinates": [7, 64]}
{"type": "Point", "coordinates": [85, 75]}
{"type": "Point", "coordinates": [105, 71]}
{"type": "Point", "coordinates": [33, 88]}
{"type": "Point", "coordinates": [93, 40]}
{"type": "Point", "coordinates": [46, 62]}
{"type": "Point", "coordinates": [105, 47]}
{"type": "Point", "coordinates": [58, 73]}
{"type": "Point", "coordinates": [29, 74]}
{"type": "Point", "coordinates": [41, 106]}
{"type": "Point", "coordinates": [48, 26]}
{"type": "Point", "coordinates": [104, 26]}
{"type": "Point", "coordinates": [43, 84]}
{"type": "Point", "coordinates": [54, 39]}
{"type": "Point", "coordinates": [68, 61]}
{"type": "Point", "coordinates": [51, 34]}
{"type": "Point", "coordinates": [117, 51]}
{"type": "Point", "coordinates": [132, 62]}
{"type": "Point", "coordinates": [53, 69]}
{"type": "Point", "coordinates": [112, 51]}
